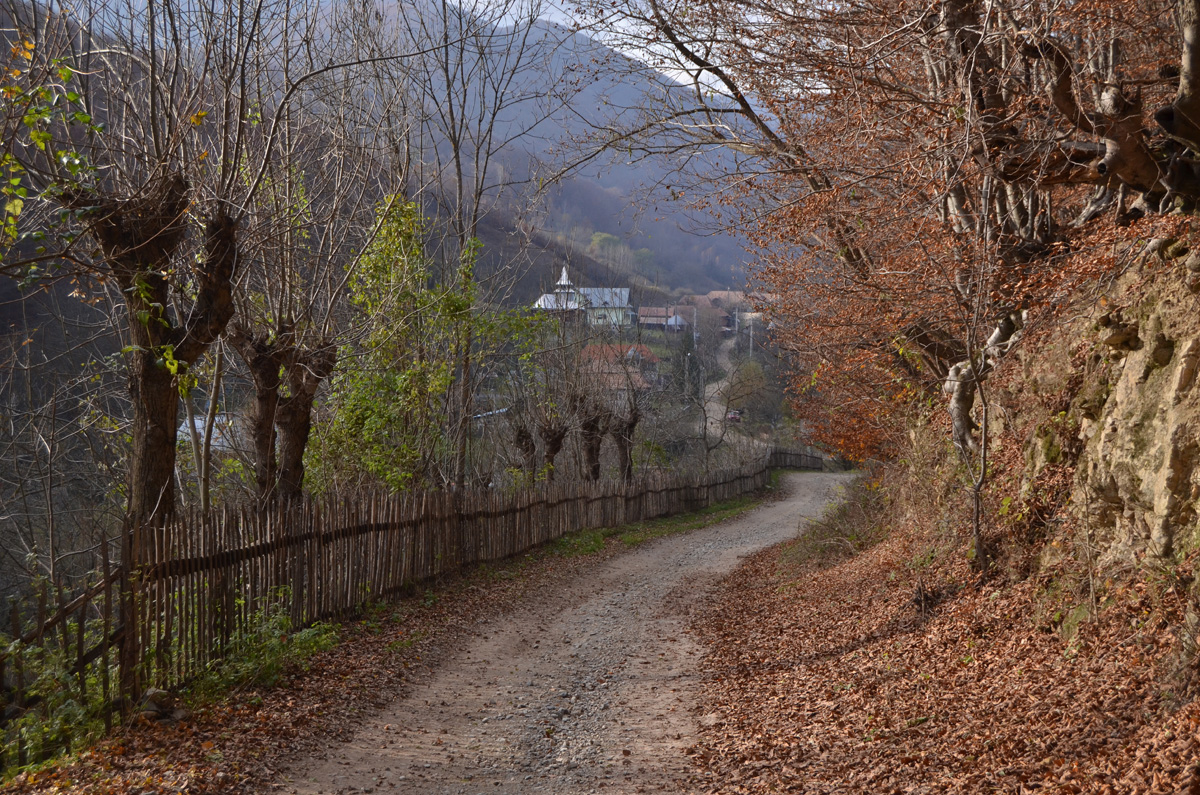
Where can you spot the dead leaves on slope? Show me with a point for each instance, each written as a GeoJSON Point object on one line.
{"type": "Point", "coordinates": [832, 681]}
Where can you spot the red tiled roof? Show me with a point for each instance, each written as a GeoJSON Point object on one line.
{"type": "Point", "coordinates": [615, 353]}
{"type": "Point", "coordinates": [614, 377]}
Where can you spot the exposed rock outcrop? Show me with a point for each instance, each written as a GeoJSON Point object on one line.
{"type": "Point", "coordinates": [1136, 413]}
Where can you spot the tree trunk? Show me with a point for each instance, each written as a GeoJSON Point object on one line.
{"type": "Point", "coordinates": [553, 437]}
{"type": "Point", "coordinates": [264, 359]}
{"type": "Point", "coordinates": [162, 350]}
{"type": "Point", "coordinates": [306, 372]}
{"type": "Point", "coordinates": [622, 432]}
{"type": "Point", "coordinates": [624, 456]}
{"type": "Point", "coordinates": [1181, 119]}
{"type": "Point", "coordinates": [295, 425]}
{"type": "Point", "coordinates": [151, 504]}
{"type": "Point", "coordinates": [465, 408]}
{"type": "Point", "coordinates": [152, 458]}
{"type": "Point", "coordinates": [592, 430]}
{"type": "Point", "coordinates": [139, 238]}
{"type": "Point", "coordinates": [960, 385]}
{"type": "Point", "coordinates": [201, 438]}
{"type": "Point", "coordinates": [523, 439]}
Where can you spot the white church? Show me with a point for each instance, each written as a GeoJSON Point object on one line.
{"type": "Point", "coordinates": [598, 306]}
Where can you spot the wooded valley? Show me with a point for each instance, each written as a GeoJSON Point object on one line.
{"type": "Point", "coordinates": [280, 257]}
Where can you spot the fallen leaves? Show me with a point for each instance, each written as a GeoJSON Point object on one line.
{"type": "Point", "coordinates": [832, 681]}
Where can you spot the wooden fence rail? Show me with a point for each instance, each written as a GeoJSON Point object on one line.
{"type": "Point", "coordinates": [210, 579]}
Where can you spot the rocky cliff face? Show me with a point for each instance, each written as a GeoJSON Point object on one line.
{"type": "Point", "coordinates": [1125, 373]}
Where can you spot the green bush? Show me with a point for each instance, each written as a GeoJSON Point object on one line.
{"type": "Point", "coordinates": [264, 652]}
{"type": "Point", "coordinates": [58, 717]}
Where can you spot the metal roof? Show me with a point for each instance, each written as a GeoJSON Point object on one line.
{"type": "Point", "coordinates": [559, 302]}
{"type": "Point", "coordinates": [605, 296]}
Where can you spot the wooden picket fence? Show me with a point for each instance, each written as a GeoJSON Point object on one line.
{"type": "Point", "coordinates": [209, 579]}
{"type": "Point", "coordinates": [808, 458]}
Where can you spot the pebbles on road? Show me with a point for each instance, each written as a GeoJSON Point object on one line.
{"type": "Point", "coordinates": [587, 689]}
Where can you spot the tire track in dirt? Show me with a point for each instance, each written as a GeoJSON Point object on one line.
{"type": "Point", "coordinates": [587, 689]}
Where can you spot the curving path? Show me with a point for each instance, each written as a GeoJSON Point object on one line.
{"type": "Point", "coordinates": [716, 400]}
{"type": "Point", "coordinates": [588, 690]}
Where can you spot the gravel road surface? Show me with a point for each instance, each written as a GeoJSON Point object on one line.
{"type": "Point", "coordinates": [586, 689]}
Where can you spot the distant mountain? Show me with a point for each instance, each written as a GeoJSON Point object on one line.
{"type": "Point", "coordinates": [591, 221]}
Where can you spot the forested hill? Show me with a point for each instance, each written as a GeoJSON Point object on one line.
{"type": "Point", "coordinates": [612, 218]}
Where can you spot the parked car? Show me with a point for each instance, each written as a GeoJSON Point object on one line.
{"type": "Point", "coordinates": [734, 416]}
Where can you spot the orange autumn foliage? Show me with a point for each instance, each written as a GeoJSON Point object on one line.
{"type": "Point", "coordinates": [916, 175]}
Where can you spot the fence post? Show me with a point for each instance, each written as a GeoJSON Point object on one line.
{"type": "Point", "coordinates": [129, 651]}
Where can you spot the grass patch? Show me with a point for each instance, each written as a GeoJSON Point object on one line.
{"type": "Point", "coordinates": [854, 524]}
{"type": "Point", "coordinates": [633, 535]}
{"type": "Point", "coordinates": [589, 542]}
{"type": "Point", "coordinates": [262, 655]}
{"type": "Point", "coordinates": [584, 542]}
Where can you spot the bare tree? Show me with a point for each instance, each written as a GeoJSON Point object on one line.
{"type": "Point", "coordinates": [491, 81]}
{"type": "Point", "coordinates": [336, 159]}
{"type": "Point", "coordinates": [147, 168]}
{"type": "Point", "coordinates": [915, 175]}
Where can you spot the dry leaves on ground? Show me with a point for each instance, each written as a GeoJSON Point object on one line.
{"type": "Point", "coordinates": [836, 680]}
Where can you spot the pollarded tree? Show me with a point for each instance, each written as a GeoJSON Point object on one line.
{"type": "Point", "coordinates": [335, 158]}
{"type": "Point", "coordinates": [595, 417]}
{"type": "Point", "coordinates": [134, 165]}
{"type": "Point", "coordinates": [129, 151]}
{"type": "Point", "coordinates": [145, 138]}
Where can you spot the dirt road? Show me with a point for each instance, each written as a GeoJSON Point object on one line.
{"type": "Point", "coordinates": [589, 689]}
{"type": "Point", "coordinates": [716, 399]}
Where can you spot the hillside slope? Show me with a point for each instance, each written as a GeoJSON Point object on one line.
{"type": "Point", "coordinates": [872, 655]}
{"type": "Point", "coordinates": [581, 86]}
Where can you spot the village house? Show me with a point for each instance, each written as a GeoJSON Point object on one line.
{"type": "Point", "coordinates": [667, 318]}
{"type": "Point", "coordinates": [619, 368]}
{"type": "Point", "coordinates": [735, 310]}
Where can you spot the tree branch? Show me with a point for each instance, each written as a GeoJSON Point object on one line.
{"type": "Point", "coordinates": [1181, 119]}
